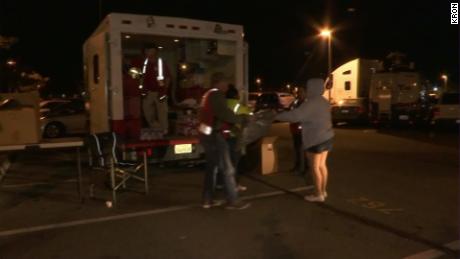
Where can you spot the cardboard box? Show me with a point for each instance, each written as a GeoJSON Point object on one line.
{"type": "Point", "coordinates": [20, 125]}
{"type": "Point", "coordinates": [269, 155]}
{"type": "Point", "coordinates": [31, 99]}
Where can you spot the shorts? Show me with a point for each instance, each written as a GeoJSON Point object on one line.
{"type": "Point", "coordinates": [325, 146]}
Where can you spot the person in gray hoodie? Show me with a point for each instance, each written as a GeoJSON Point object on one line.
{"type": "Point", "coordinates": [314, 115]}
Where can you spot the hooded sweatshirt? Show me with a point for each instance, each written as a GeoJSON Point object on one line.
{"type": "Point", "coordinates": [314, 114]}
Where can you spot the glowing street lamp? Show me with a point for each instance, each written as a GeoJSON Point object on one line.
{"type": "Point", "coordinates": [325, 33]}
{"type": "Point", "coordinates": [259, 83]}
{"type": "Point", "coordinates": [11, 62]}
{"type": "Point", "coordinates": [444, 77]}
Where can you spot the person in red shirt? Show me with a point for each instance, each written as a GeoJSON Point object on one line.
{"type": "Point", "coordinates": [154, 87]}
{"type": "Point", "coordinates": [131, 127]}
{"type": "Point", "coordinates": [214, 114]}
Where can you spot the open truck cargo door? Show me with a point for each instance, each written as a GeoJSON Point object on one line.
{"type": "Point", "coordinates": [95, 60]}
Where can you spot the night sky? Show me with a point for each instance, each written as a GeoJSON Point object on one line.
{"type": "Point", "coordinates": [282, 35]}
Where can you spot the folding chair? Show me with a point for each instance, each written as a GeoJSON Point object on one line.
{"type": "Point", "coordinates": [102, 148]}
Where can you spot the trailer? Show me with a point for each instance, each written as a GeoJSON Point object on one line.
{"type": "Point", "coordinates": [191, 50]}
{"type": "Point", "coordinates": [349, 93]}
{"type": "Point", "coordinates": [362, 90]}
{"type": "Point", "coordinates": [395, 97]}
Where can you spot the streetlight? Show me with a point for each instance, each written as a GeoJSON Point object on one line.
{"type": "Point", "coordinates": [11, 62]}
{"type": "Point", "coordinates": [445, 78]}
{"type": "Point", "coordinates": [259, 83]}
{"type": "Point", "coordinates": [327, 33]}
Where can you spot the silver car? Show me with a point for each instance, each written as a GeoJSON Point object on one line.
{"type": "Point", "coordinates": [64, 119]}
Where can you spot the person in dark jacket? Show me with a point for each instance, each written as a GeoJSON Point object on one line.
{"type": "Point", "coordinates": [214, 115]}
{"type": "Point", "coordinates": [296, 133]}
{"type": "Point", "coordinates": [314, 115]}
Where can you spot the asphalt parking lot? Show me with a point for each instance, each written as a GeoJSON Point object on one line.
{"type": "Point", "coordinates": [391, 195]}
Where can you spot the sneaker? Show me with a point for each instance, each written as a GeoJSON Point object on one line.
{"type": "Point", "coordinates": [241, 188]}
{"type": "Point", "coordinates": [314, 198]}
{"type": "Point", "coordinates": [208, 205]}
{"type": "Point", "coordinates": [238, 206]}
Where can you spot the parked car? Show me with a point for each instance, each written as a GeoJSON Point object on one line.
{"type": "Point", "coordinates": [285, 99]}
{"type": "Point", "coordinates": [47, 105]}
{"type": "Point", "coordinates": [252, 99]}
{"type": "Point", "coordinates": [446, 111]}
{"type": "Point", "coordinates": [66, 118]}
{"type": "Point", "coordinates": [274, 100]}
{"type": "Point", "coordinates": [268, 101]}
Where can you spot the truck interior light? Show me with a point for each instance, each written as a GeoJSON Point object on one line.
{"type": "Point", "coordinates": [134, 72]}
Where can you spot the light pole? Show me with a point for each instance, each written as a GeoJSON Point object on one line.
{"type": "Point", "coordinates": [327, 33]}
{"type": "Point", "coordinates": [444, 77]}
{"type": "Point", "coordinates": [259, 84]}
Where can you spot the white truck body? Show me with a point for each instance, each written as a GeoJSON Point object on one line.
{"type": "Point", "coordinates": [350, 89]}
{"type": "Point", "coordinates": [180, 40]}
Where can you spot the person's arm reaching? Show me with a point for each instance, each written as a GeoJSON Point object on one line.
{"type": "Point", "coordinates": [300, 114]}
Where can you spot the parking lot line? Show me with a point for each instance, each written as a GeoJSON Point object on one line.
{"type": "Point", "coordinates": [21, 185]}
{"type": "Point", "coordinates": [433, 253]}
{"type": "Point", "coordinates": [368, 221]}
{"type": "Point", "coordinates": [26, 230]}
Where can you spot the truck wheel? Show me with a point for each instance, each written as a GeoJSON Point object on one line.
{"type": "Point", "coordinates": [54, 130]}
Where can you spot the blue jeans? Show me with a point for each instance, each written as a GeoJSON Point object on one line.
{"type": "Point", "coordinates": [235, 157]}
{"type": "Point", "coordinates": [218, 159]}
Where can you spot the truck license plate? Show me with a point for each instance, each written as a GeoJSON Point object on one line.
{"type": "Point", "coordinates": [183, 149]}
{"type": "Point", "coordinates": [403, 117]}
{"type": "Point", "coordinates": [345, 111]}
